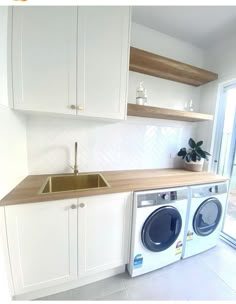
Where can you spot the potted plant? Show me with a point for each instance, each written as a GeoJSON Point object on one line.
{"type": "Point", "coordinates": [194, 156]}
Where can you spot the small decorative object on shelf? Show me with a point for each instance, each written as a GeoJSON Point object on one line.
{"type": "Point", "coordinates": [194, 156]}
{"type": "Point", "coordinates": [189, 106]}
{"type": "Point", "coordinates": [141, 95]}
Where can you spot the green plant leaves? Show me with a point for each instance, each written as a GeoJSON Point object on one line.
{"type": "Point", "coordinates": [193, 156]}
{"type": "Point", "coordinates": [199, 143]}
{"type": "Point", "coordinates": [191, 143]}
{"type": "Point", "coordinates": [188, 158]}
{"type": "Point", "coordinates": [182, 152]}
{"type": "Point", "coordinates": [195, 152]}
{"type": "Point", "coordinates": [201, 153]}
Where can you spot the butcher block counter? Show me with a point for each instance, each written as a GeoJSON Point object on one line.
{"type": "Point", "coordinates": [28, 191]}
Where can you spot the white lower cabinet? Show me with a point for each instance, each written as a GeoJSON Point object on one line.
{"type": "Point", "coordinates": [59, 242]}
{"type": "Point", "coordinates": [104, 232]}
{"type": "Point", "coordinates": [42, 240]}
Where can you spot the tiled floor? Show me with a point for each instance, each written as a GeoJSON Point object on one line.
{"type": "Point", "coordinates": [208, 276]}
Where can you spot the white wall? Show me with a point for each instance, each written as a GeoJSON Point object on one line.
{"type": "Point", "coordinates": [3, 56]}
{"type": "Point", "coordinates": [135, 144]}
{"type": "Point", "coordinates": [156, 42]}
{"type": "Point", "coordinates": [13, 147]}
{"type": "Point", "coordinates": [219, 58]}
{"type": "Point", "coordinates": [161, 92]}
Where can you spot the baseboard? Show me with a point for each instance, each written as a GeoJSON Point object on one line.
{"type": "Point", "coordinates": [227, 239]}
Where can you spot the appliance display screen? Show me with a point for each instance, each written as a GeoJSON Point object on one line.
{"type": "Point", "coordinates": [173, 195]}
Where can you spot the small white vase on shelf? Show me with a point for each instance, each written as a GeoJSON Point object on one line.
{"type": "Point", "coordinates": [141, 95]}
{"type": "Point", "coordinates": [189, 106]}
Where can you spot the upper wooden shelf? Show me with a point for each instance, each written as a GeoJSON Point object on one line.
{"type": "Point", "coordinates": [159, 66]}
{"type": "Point", "coordinates": [162, 113]}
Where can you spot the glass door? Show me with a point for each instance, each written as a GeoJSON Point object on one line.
{"type": "Point", "coordinates": [229, 228]}
{"type": "Point", "coordinates": [225, 159]}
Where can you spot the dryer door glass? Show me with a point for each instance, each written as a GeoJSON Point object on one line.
{"type": "Point", "coordinates": [161, 228]}
{"type": "Point", "coordinates": [207, 217]}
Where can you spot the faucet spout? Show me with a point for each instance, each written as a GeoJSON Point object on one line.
{"type": "Point", "coordinates": [76, 171]}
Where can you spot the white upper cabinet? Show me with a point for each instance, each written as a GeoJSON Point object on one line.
{"type": "Point", "coordinates": [71, 60]}
{"type": "Point", "coordinates": [103, 232]}
{"type": "Point", "coordinates": [103, 61]}
{"type": "Point", "coordinates": [42, 244]}
{"type": "Point", "coordinates": [44, 58]}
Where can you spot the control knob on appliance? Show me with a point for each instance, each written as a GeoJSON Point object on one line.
{"type": "Point", "coordinates": [165, 197]}
{"type": "Point", "coordinates": [212, 190]}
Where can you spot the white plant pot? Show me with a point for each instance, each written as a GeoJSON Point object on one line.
{"type": "Point", "coordinates": [196, 166]}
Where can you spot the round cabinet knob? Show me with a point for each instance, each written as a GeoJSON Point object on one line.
{"type": "Point", "coordinates": [80, 107]}
{"type": "Point", "coordinates": [81, 205]}
{"type": "Point", "coordinates": [212, 190]}
{"type": "Point", "coordinates": [165, 197]}
{"type": "Point", "coordinates": [73, 206]}
{"type": "Point", "coordinates": [73, 107]}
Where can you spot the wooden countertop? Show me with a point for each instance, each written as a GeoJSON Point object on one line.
{"type": "Point", "coordinates": [120, 181]}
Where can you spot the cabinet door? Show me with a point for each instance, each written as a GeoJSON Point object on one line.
{"type": "Point", "coordinates": [104, 232]}
{"type": "Point", "coordinates": [42, 239]}
{"type": "Point", "coordinates": [103, 61]}
{"type": "Point", "coordinates": [44, 58]}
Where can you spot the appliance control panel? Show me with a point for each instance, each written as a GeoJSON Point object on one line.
{"type": "Point", "coordinates": [159, 198]}
{"type": "Point", "coordinates": [209, 190]}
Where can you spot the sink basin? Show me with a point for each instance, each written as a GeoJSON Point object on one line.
{"type": "Point", "coordinates": [63, 183]}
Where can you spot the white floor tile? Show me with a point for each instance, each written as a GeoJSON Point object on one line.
{"type": "Point", "coordinates": [207, 276]}
{"type": "Point", "coordinates": [140, 280]}
{"type": "Point", "coordinates": [223, 263]}
{"type": "Point", "coordinates": [118, 296]}
{"type": "Point", "coordinates": [99, 289]}
{"type": "Point", "coordinates": [62, 296]}
{"type": "Point", "coordinates": [88, 292]}
{"type": "Point", "coordinates": [113, 284]}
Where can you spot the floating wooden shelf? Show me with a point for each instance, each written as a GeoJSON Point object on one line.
{"type": "Point", "coordinates": [162, 113]}
{"type": "Point", "coordinates": [162, 67]}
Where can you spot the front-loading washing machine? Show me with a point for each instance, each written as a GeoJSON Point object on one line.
{"type": "Point", "coordinates": [205, 217]}
{"type": "Point", "coordinates": [158, 223]}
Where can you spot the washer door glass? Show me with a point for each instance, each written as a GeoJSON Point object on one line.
{"type": "Point", "coordinates": [207, 217]}
{"type": "Point", "coordinates": [161, 228]}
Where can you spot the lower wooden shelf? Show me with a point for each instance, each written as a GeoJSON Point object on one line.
{"type": "Point", "coordinates": [162, 113]}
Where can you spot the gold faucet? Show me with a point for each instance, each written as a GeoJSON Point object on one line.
{"type": "Point", "coordinates": [76, 171]}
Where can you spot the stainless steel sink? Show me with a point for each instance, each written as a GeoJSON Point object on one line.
{"type": "Point", "coordinates": [65, 183]}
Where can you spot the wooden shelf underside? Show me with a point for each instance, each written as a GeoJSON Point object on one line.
{"type": "Point", "coordinates": [162, 113]}
{"type": "Point", "coordinates": [162, 67]}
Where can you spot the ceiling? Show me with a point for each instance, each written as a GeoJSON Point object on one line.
{"type": "Point", "coordinates": [201, 26]}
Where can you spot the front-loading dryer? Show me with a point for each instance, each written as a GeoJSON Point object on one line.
{"type": "Point", "coordinates": [205, 217]}
{"type": "Point", "coordinates": [158, 223]}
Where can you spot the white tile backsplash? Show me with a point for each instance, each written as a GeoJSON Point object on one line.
{"type": "Point", "coordinates": [137, 143]}
{"type": "Point", "coordinates": [13, 149]}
